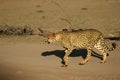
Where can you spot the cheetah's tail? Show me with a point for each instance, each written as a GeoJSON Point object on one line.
{"type": "Point", "coordinates": [113, 46]}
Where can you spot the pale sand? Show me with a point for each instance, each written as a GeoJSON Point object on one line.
{"type": "Point", "coordinates": [32, 59]}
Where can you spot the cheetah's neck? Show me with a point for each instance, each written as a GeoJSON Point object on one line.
{"type": "Point", "coordinates": [58, 37]}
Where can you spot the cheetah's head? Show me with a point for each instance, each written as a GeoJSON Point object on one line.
{"type": "Point", "coordinates": [52, 38]}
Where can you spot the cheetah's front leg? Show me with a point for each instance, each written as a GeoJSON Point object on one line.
{"type": "Point", "coordinates": [65, 58]}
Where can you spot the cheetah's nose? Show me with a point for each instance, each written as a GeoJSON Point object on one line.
{"type": "Point", "coordinates": [47, 42]}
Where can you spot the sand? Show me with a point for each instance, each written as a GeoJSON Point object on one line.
{"type": "Point", "coordinates": [41, 61]}
{"type": "Point", "coordinates": [30, 58]}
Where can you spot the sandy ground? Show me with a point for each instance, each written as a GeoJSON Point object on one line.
{"type": "Point", "coordinates": [52, 14]}
{"type": "Point", "coordinates": [30, 58]}
{"type": "Point", "coordinates": [41, 61]}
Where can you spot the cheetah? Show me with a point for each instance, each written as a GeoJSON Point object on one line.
{"type": "Point", "coordinates": [81, 39]}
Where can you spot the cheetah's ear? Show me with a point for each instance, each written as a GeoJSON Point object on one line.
{"type": "Point", "coordinates": [54, 34]}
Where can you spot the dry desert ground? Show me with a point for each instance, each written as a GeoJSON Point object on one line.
{"type": "Point", "coordinates": [30, 58]}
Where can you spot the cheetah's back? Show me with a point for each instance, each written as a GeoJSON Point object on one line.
{"type": "Point", "coordinates": [82, 39]}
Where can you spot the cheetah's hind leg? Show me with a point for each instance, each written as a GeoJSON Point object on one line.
{"type": "Point", "coordinates": [102, 48]}
{"type": "Point", "coordinates": [87, 57]}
